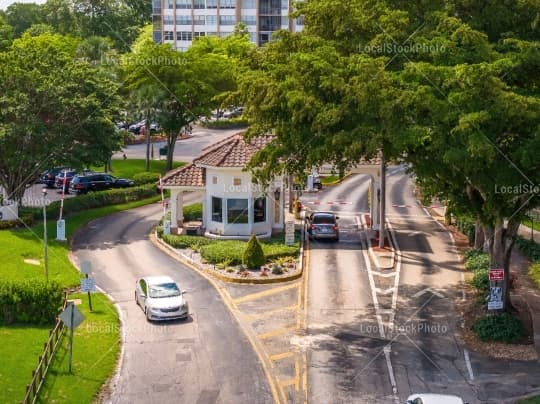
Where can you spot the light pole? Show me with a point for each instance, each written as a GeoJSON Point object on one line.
{"type": "Point", "coordinates": [45, 254]}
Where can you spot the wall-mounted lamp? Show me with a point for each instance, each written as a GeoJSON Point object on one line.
{"type": "Point", "coordinates": [277, 193]}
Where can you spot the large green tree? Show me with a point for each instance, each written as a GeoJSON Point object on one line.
{"type": "Point", "coordinates": [54, 109]}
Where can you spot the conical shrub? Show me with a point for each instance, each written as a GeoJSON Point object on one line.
{"type": "Point", "coordinates": [254, 255]}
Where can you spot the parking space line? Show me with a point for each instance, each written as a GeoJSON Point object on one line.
{"type": "Point", "coordinates": [277, 332]}
{"type": "Point", "coordinates": [264, 293]}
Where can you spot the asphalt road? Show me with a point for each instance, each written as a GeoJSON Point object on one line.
{"type": "Point", "coordinates": [205, 359]}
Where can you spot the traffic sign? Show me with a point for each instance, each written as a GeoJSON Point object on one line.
{"type": "Point", "coordinates": [86, 267]}
{"type": "Point", "coordinates": [71, 316]}
{"type": "Point", "coordinates": [496, 274]}
{"type": "Point", "coordinates": [88, 285]}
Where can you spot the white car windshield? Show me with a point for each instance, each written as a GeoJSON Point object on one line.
{"type": "Point", "coordinates": [164, 290]}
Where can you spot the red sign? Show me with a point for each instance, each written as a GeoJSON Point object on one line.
{"type": "Point", "coordinates": [496, 274]}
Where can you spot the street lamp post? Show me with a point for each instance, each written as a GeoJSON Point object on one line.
{"type": "Point", "coordinates": [45, 252]}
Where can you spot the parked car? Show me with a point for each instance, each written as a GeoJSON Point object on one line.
{"type": "Point", "coordinates": [429, 398]}
{"type": "Point", "coordinates": [82, 184]}
{"type": "Point", "coordinates": [323, 225]}
{"type": "Point", "coordinates": [160, 298]}
{"type": "Point", "coordinates": [59, 182]}
{"type": "Point", "coordinates": [48, 177]}
{"type": "Point", "coordinates": [136, 128]}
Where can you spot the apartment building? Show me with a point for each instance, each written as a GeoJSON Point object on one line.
{"type": "Point", "coordinates": [179, 22]}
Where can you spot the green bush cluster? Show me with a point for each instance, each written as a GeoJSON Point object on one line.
{"type": "Point", "coordinates": [231, 123]}
{"type": "Point", "coordinates": [29, 302]}
{"type": "Point", "coordinates": [503, 327]}
{"type": "Point", "coordinates": [146, 178]}
{"type": "Point", "coordinates": [193, 212]}
{"type": "Point", "coordinates": [96, 200]}
{"type": "Point", "coordinates": [466, 226]}
{"type": "Point", "coordinates": [228, 251]}
{"type": "Point", "coordinates": [253, 256]}
{"type": "Point", "coordinates": [27, 220]}
{"type": "Point", "coordinates": [534, 273]}
{"type": "Point", "coordinates": [530, 248]}
{"type": "Point", "coordinates": [478, 262]}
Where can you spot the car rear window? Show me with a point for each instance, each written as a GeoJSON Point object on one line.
{"type": "Point", "coordinates": [324, 219]}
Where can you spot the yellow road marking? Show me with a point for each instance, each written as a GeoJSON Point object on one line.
{"type": "Point", "coordinates": [287, 383]}
{"type": "Point", "coordinates": [282, 391]}
{"type": "Point", "coordinates": [278, 357]}
{"type": "Point", "coordinates": [271, 312]}
{"type": "Point", "coordinates": [276, 333]}
{"type": "Point", "coordinates": [264, 293]}
{"type": "Point", "coordinates": [296, 375]}
{"type": "Point", "coordinates": [306, 285]}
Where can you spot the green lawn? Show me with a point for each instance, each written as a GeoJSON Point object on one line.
{"type": "Point", "coordinates": [96, 345]}
{"type": "Point", "coordinates": [535, 224]}
{"type": "Point", "coordinates": [128, 168]}
{"type": "Point", "coordinates": [21, 345]}
{"type": "Point", "coordinates": [330, 179]}
{"type": "Point", "coordinates": [532, 400]}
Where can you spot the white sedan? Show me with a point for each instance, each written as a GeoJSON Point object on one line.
{"type": "Point", "coordinates": [160, 298]}
{"type": "Point", "coordinates": [429, 398]}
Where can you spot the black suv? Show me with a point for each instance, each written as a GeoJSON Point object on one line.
{"type": "Point", "coordinates": [82, 184]}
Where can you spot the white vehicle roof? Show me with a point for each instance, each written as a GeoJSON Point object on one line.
{"type": "Point", "coordinates": [158, 280]}
{"type": "Point", "coordinates": [430, 398]}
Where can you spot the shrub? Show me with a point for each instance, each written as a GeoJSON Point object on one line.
{"type": "Point", "coordinates": [529, 248]}
{"type": "Point", "coordinates": [27, 220]}
{"type": "Point", "coordinates": [231, 123]}
{"type": "Point", "coordinates": [477, 262]}
{"type": "Point", "coordinates": [499, 327]}
{"type": "Point", "coordinates": [220, 251]}
{"type": "Point", "coordinates": [29, 302]}
{"type": "Point", "coordinates": [480, 281]}
{"type": "Point", "coordinates": [253, 255]}
{"type": "Point", "coordinates": [277, 270]}
{"type": "Point", "coordinates": [466, 226]}
{"type": "Point", "coordinates": [193, 212]}
{"type": "Point", "coordinates": [184, 241]}
{"type": "Point", "coordinates": [473, 252]}
{"type": "Point", "coordinates": [534, 273]}
{"type": "Point", "coordinates": [146, 178]}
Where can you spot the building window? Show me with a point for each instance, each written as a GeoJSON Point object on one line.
{"type": "Point", "coordinates": [237, 181]}
{"type": "Point", "coordinates": [300, 20]}
{"type": "Point", "coordinates": [249, 4]}
{"type": "Point", "coordinates": [237, 211]}
{"type": "Point", "coordinates": [168, 20]}
{"type": "Point", "coordinates": [183, 36]}
{"type": "Point", "coordinates": [249, 19]}
{"type": "Point", "coordinates": [211, 3]}
{"type": "Point", "coordinates": [199, 20]}
{"type": "Point", "coordinates": [168, 35]}
{"type": "Point", "coordinates": [214, 178]}
{"type": "Point", "coordinates": [227, 19]}
{"type": "Point", "coordinates": [183, 20]}
{"type": "Point", "coordinates": [168, 4]}
{"type": "Point", "coordinates": [227, 3]}
{"type": "Point", "coordinates": [183, 4]}
{"type": "Point", "coordinates": [211, 20]}
{"type": "Point", "coordinates": [259, 210]}
{"type": "Point", "coordinates": [198, 34]}
{"type": "Point", "coordinates": [198, 4]}
{"type": "Point", "coordinates": [217, 209]}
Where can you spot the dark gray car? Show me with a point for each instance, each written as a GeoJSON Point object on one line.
{"type": "Point", "coordinates": [323, 225]}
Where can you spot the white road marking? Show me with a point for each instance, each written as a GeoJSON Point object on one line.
{"type": "Point", "coordinates": [385, 291]}
{"type": "Point", "coordinates": [469, 366]}
{"type": "Point", "coordinates": [388, 275]}
{"type": "Point", "coordinates": [426, 290]}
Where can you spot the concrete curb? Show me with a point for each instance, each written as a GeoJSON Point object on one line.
{"type": "Point", "coordinates": [184, 259]}
{"type": "Point", "coordinates": [372, 253]}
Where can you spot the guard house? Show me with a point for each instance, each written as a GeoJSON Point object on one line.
{"type": "Point", "coordinates": [233, 206]}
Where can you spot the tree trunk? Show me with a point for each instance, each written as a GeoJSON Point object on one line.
{"type": "Point", "coordinates": [479, 238]}
{"type": "Point", "coordinates": [171, 142]}
{"type": "Point", "coordinates": [501, 241]}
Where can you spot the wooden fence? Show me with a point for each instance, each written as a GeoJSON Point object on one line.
{"type": "Point", "coordinates": [44, 360]}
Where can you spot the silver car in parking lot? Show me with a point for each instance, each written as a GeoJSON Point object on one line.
{"type": "Point", "coordinates": [160, 298]}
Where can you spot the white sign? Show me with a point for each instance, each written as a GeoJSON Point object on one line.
{"type": "Point", "coordinates": [88, 285]}
{"type": "Point", "coordinates": [289, 232]}
{"type": "Point", "coordinates": [86, 267]}
{"type": "Point", "coordinates": [71, 316]}
{"type": "Point", "coordinates": [495, 301]}
{"type": "Point", "coordinates": [166, 227]}
{"type": "Point", "coordinates": [61, 230]}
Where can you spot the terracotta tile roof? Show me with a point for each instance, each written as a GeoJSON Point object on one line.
{"type": "Point", "coordinates": [233, 151]}
{"type": "Point", "coordinates": [187, 176]}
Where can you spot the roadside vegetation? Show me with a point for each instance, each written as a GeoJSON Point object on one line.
{"type": "Point", "coordinates": [135, 168]}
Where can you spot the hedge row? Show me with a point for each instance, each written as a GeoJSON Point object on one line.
{"type": "Point", "coordinates": [477, 261]}
{"type": "Point", "coordinates": [529, 248]}
{"type": "Point", "coordinates": [504, 327]}
{"type": "Point", "coordinates": [232, 123]}
{"type": "Point", "coordinates": [27, 220]}
{"type": "Point", "coordinates": [96, 200]}
{"type": "Point", "coordinates": [230, 252]}
{"type": "Point", "coordinates": [146, 178]}
{"type": "Point", "coordinates": [30, 302]}
{"type": "Point", "coordinates": [466, 225]}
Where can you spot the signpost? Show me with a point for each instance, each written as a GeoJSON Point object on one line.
{"type": "Point", "coordinates": [496, 278]}
{"type": "Point", "coordinates": [289, 232]}
{"type": "Point", "coordinates": [87, 284]}
{"type": "Point", "coordinates": [72, 318]}
{"type": "Point", "coordinates": [61, 223]}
